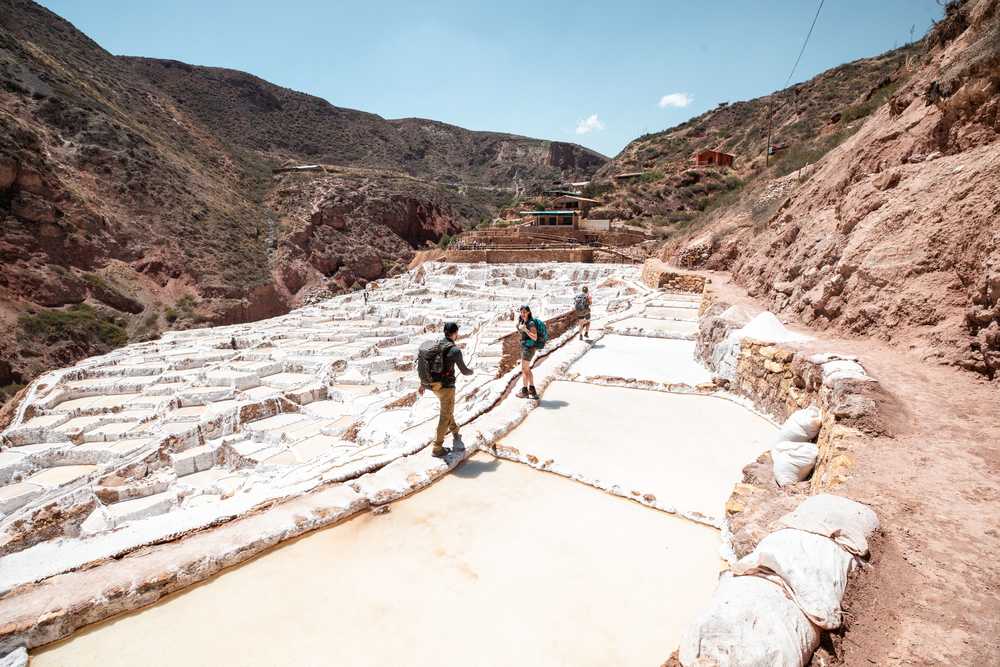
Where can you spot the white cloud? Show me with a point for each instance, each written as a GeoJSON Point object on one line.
{"type": "Point", "coordinates": [589, 124]}
{"type": "Point", "coordinates": [677, 100]}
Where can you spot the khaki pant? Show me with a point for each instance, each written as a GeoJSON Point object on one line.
{"type": "Point", "coordinates": [446, 421]}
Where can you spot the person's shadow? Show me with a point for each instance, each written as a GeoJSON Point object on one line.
{"type": "Point", "coordinates": [474, 468]}
{"type": "Point", "coordinates": [552, 404]}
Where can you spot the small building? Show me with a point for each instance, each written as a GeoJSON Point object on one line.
{"type": "Point", "coordinates": [573, 202]}
{"type": "Point", "coordinates": [560, 218]}
{"type": "Point", "coordinates": [709, 157]}
{"type": "Point", "coordinates": [628, 175]}
{"type": "Point", "coordinates": [595, 225]}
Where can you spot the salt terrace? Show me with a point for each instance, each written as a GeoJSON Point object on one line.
{"type": "Point", "coordinates": [135, 474]}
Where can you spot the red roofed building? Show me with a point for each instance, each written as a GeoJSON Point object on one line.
{"type": "Point", "coordinates": [708, 157]}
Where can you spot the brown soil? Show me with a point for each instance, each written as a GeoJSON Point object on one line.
{"type": "Point", "coordinates": [932, 595]}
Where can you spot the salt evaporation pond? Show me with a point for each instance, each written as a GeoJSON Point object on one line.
{"type": "Point", "coordinates": [685, 450]}
{"type": "Point", "coordinates": [496, 564]}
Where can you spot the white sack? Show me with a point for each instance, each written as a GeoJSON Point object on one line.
{"type": "Point", "coordinates": [751, 623]}
{"type": "Point", "coordinates": [16, 658]}
{"type": "Point", "coordinates": [846, 522]}
{"type": "Point", "coordinates": [811, 568]}
{"type": "Point", "coordinates": [793, 461]}
{"type": "Point", "coordinates": [801, 426]}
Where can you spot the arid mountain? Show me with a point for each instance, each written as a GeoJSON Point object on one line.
{"type": "Point", "coordinates": [893, 232]}
{"type": "Point", "coordinates": [138, 195]}
{"type": "Point", "coordinates": [804, 122]}
{"type": "Point", "coordinates": [253, 115]}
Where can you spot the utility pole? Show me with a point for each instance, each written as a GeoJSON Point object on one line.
{"type": "Point", "coordinates": [767, 155]}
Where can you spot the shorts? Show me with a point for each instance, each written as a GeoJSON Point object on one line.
{"type": "Point", "coordinates": [528, 353]}
{"type": "Point", "coordinates": [583, 317]}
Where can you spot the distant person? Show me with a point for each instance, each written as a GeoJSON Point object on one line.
{"type": "Point", "coordinates": [581, 304]}
{"type": "Point", "coordinates": [232, 342]}
{"type": "Point", "coordinates": [436, 363]}
{"type": "Point", "coordinates": [534, 335]}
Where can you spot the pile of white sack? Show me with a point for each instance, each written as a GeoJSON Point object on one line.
{"type": "Point", "coordinates": [770, 610]}
{"type": "Point", "coordinates": [794, 452]}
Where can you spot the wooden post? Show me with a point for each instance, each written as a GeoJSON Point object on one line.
{"type": "Point", "coordinates": [767, 154]}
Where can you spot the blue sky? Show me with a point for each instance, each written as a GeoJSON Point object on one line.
{"type": "Point", "coordinates": [595, 73]}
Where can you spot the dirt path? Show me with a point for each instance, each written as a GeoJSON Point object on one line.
{"type": "Point", "coordinates": [933, 595]}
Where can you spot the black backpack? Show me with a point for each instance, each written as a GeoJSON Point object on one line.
{"type": "Point", "coordinates": [430, 361]}
{"type": "Point", "coordinates": [580, 304]}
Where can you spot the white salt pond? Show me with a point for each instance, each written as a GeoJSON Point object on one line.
{"type": "Point", "coordinates": [277, 406]}
{"type": "Point", "coordinates": [685, 449]}
{"type": "Point", "coordinates": [653, 326]}
{"type": "Point", "coordinates": [632, 357]}
{"type": "Point", "coordinates": [496, 564]}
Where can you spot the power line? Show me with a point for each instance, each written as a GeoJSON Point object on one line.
{"type": "Point", "coordinates": [770, 105]}
{"type": "Point", "coordinates": [803, 50]}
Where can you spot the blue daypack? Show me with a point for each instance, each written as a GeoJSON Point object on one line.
{"type": "Point", "coordinates": [543, 333]}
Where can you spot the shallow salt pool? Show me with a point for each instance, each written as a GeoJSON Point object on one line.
{"type": "Point", "coordinates": [632, 357]}
{"type": "Point", "coordinates": [496, 564]}
{"type": "Point", "coordinates": [687, 450]}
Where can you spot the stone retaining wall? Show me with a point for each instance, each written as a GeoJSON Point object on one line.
{"type": "Point", "coordinates": [658, 275]}
{"type": "Point", "coordinates": [542, 234]}
{"type": "Point", "coordinates": [780, 379]}
{"type": "Point", "coordinates": [533, 256]}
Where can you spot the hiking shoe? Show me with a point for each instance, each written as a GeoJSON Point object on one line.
{"type": "Point", "coordinates": [456, 444]}
{"type": "Point", "coordinates": [440, 452]}
{"type": "Point", "coordinates": [532, 393]}
{"type": "Point", "coordinates": [523, 393]}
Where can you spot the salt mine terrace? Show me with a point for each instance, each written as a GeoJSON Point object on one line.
{"type": "Point", "coordinates": [165, 462]}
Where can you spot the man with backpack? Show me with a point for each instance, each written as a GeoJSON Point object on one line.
{"type": "Point", "coordinates": [436, 361]}
{"type": "Point", "coordinates": [581, 304]}
{"type": "Point", "coordinates": [534, 335]}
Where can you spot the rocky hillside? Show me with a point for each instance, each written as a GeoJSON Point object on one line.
{"type": "Point", "coordinates": [893, 232]}
{"type": "Point", "coordinates": [256, 116]}
{"type": "Point", "coordinates": [138, 195]}
{"type": "Point", "coordinates": [805, 121]}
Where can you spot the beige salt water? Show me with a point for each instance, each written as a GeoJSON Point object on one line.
{"type": "Point", "coordinates": [496, 564]}
{"type": "Point", "coordinates": [687, 450]}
